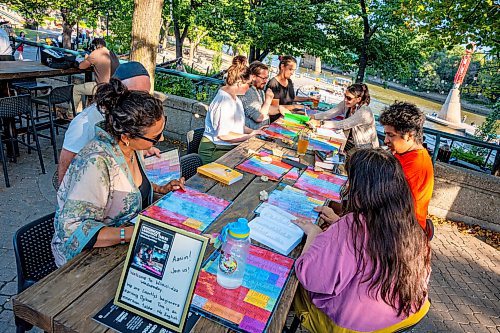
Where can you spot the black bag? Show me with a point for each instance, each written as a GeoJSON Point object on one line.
{"type": "Point", "coordinates": [57, 59]}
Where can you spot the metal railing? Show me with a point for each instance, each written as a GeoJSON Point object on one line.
{"type": "Point", "coordinates": [440, 136]}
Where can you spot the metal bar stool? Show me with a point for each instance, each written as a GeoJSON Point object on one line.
{"type": "Point", "coordinates": [10, 108]}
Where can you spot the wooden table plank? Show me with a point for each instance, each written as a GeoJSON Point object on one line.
{"type": "Point", "coordinates": [78, 316]}
{"type": "Point", "coordinates": [40, 303]}
{"type": "Point", "coordinates": [15, 70]}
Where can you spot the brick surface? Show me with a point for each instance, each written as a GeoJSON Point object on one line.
{"type": "Point", "coordinates": [464, 285]}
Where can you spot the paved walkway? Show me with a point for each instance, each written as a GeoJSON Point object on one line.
{"type": "Point", "coordinates": [465, 282]}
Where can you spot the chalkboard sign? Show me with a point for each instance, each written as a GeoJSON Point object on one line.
{"type": "Point", "coordinates": [160, 272]}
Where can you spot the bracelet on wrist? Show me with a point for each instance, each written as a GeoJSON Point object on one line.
{"type": "Point", "coordinates": [122, 235]}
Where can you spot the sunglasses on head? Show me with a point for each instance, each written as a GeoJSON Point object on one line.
{"type": "Point", "coordinates": [154, 140]}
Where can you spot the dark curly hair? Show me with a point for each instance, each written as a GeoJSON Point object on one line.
{"type": "Point", "coordinates": [360, 90]}
{"type": "Point", "coordinates": [405, 118]}
{"type": "Point", "coordinates": [128, 112]}
{"type": "Point", "coordinates": [392, 250]}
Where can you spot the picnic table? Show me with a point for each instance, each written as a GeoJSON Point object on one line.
{"type": "Point", "coordinates": [18, 70]}
{"type": "Point", "coordinates": [68, 298]}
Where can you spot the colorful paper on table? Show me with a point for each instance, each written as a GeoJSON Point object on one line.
{"type": "Point", "coordinates": [189, 210]}
{"type": "Point", "coordinates": [324, 184]}
{"type": "Point", "coordinates": [257, 164]}
{"type": "Point", "coordinates": [250, 307]}
{"type": "Point", "coordinates": [164, 169]}
{"type": "Point", "coordinates": [291, 125]}
{"type": "Point", "coordinates": [294, 201]}
{"type": "Point", "coordinates": [279, 132]}
{"type": "Point", "coordinates": [323, 144]}
{"type": "Point", "coordinates": [293, 174]}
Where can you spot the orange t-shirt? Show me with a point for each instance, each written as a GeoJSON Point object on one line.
{"type": "Point", "coordinates": [419, 172]}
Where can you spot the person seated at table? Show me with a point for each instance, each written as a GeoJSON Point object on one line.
{"type": "Point", "coordinates": [5, 47]}
{"type": "Point", "coordinates": [358, 118]}
{"type": "Point", "coordinates": [369, 271]}
{"type": "Point", "coordinates": [256, 111]}
{"type": "Point", "coordinates": [106, 184]}
{"type": "Point", "coordinates": [103, 63]}
{"type": "Point", "coordinates": [404, 129]}
{"type": "Point", "coordinates": [281, 86]}
{"type": "Point", "coordinates": [82, 128]}
{"type": "Point", "coordinates": [225, 121]}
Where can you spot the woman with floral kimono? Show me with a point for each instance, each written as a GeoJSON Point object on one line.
{"type": "Point", "coordinates": [105, 184]}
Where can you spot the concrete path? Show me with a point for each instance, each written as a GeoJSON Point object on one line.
{"type": "Point", "coordinates": [465, 282]}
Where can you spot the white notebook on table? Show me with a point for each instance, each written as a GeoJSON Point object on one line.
{"type": "Point", "coordinates": [275, 229]}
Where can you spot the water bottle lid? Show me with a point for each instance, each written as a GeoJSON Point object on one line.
{"type": "Point", "coordinates": [239, 229]}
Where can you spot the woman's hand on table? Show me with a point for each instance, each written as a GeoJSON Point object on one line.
{"type": "Point", "coordinates": [314, 123]}
{"type": "Point", "coordinates": [258, 132]}
{"type": "Point", "coordinates": [283, 110]}
{"type": "Point", "coordinates": [152, 151]}
{"type": "Point", "coordinates": [327, 214]}
{"type": "Point", "coordinates": [309, 228]}
{"type": "Point", "coordinates": [174, 185]}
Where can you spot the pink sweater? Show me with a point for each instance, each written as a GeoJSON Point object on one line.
{"type": "Point", "coordinates": [328, 271]}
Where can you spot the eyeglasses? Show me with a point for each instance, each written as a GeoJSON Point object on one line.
{"type": "Point", "coordinates": [262, 77]}
{"type": "Point", "coordinates": [154, 140]}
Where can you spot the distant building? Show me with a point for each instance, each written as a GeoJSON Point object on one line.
{"type": "Point", "coordinates": [311, 62]}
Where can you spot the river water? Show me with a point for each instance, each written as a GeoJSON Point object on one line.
{"type": "Point", "coordinates": [381, 97]}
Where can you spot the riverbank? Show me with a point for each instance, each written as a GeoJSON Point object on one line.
{"type": "Point", "coordinates": [431, 96]}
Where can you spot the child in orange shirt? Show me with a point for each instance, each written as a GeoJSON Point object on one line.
{"type": "Point", "coordinates": [403, 125]}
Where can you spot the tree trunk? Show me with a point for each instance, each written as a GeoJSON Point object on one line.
{"type": "Point", "coordinates": [67, 29]}
{"type": "Point", "coordinates": [145, 31]}
{"type": "Point", "coordinates": [251, 56]}
{"type": "Point", "coordinates": [363, 61]}
{"type": "Point", "coordinates": [263, 55]}
{"type": "Point", "coordinates": [179, 38]}
{"type": "Point", "coordinates": [166, 27]}
{"type": "Point", "coordinates": [191, 52]}
{"type": "Point", "coordinates": [367, 34]}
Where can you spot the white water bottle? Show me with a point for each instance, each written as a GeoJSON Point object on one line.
{"type": "Point", "coordinates": [233, 256]}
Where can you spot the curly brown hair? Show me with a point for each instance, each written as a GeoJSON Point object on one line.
{"type": "Point", "coordinates": [405, 118]}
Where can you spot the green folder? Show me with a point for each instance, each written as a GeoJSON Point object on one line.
{"type": "Point", "coordinates": [297, 118]}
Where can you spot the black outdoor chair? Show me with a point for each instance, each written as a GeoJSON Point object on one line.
{"type": "Point", "coordinates": [194, 139]}
{"type": "Point", "coordinates": [12, 108]}
{"type": "Point", "coordinates": [57, 96]}
{"type": "Point", "coordinates": [34, 258]}
{"type": "Point", "coordinates": [189, 165]}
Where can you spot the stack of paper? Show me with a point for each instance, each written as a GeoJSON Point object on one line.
{"type": "Point", "coordinates": [326, 161]}
{"type": "Point", "coordinates": [275, 229]}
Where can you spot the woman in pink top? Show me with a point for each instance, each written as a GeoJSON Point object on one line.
{"type": "Point", "coordinates": [370, 269]}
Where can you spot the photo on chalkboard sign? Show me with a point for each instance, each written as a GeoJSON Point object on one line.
{"type": "Point", "coordinates": [160, 272]}
{"type": "Point", "coordinates": [151, 253]}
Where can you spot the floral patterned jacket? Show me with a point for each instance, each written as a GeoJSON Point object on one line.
{"type": "Point", "coordinates": [97, 191]}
